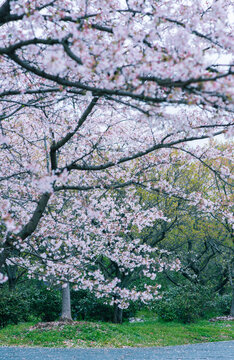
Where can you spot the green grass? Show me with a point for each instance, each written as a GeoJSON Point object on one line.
{"type": "Point", "coordinates": [98, 334]}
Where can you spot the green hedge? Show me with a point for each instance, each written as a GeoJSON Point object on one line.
{"type": "Point", "coordinates": [189, 303]}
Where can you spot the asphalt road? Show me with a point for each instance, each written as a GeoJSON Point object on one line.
{"type": "Point", "coordinates": [220, 350]}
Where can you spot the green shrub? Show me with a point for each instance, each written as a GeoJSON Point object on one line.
{"type": "Point", "coordinates": [14, 307]}
{"type": "Point", "coordinates": [222, 304]}
{"type": "Point", "coordinates": [86, 306]}
{"type": "Point", "coordinates": [32, 301]}
{"type": "Point", "coordinates": [45, 304]}
{"type": "Point", "coordinates": [185, 304]}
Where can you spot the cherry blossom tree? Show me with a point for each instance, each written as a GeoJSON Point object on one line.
{"type": "Point", "coordinates": [105, 251]}
{"type": "Point", "coordinates": [92, 97]}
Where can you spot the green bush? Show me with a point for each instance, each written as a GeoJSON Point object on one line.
{"type": "Point", "coordinates": [45, 304]}
{"type": "Point", "coordinates": [185, 304]}
{"type": "Point", "coordinates": [14, 307]}
{"type": "Point", "coordinates": [32, 301]}
{"type": "Point", "coordinates": [222, 304]}
{"type": "Point", "coordinates": [86, 306]}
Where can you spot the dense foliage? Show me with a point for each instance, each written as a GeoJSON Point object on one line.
{"type": "Point", "coordinates": [35, 301]}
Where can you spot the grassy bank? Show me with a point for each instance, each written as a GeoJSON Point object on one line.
{"type": "Point", "coordinates": [92, 334]}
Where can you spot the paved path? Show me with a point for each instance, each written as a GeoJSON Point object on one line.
{"type": "Point", "coordinates": [220, 350]}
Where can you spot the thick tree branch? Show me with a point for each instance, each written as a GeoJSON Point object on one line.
{"type": "Point", "coordinates": [31, 226]}
{"type": "Point", "coordinates": [95, 90]}
{"type": "Point", "coordinates": [137, 155]}
{"type": "Point", "coordinates": [27, 230]}
{"type": "Point", "coordinates": [184, 84]}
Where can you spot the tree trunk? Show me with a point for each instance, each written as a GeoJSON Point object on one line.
{"type": "Point", "coordinates": [118, 315]}
{"type": "Point", "coordinates": [232, 306]}
{"type": "Point", "coordinates": [66, 304]}
{"type": "Point", "coordinates": [232, 284]}
{"type": "Point", "coordinates": [12, 276]}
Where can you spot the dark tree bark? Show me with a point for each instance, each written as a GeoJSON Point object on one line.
{"type": "Point", "coordinates": [12, 276]}
{"type": "Point", "coordinates": [118, 315]}
{"type": "Point", "coordinates": [5, 10]}
{"type": "Point", "coordinates": [27, 230]}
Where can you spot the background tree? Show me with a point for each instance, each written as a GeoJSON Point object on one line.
{"type": "Point", "coordinates": [202, 236]}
